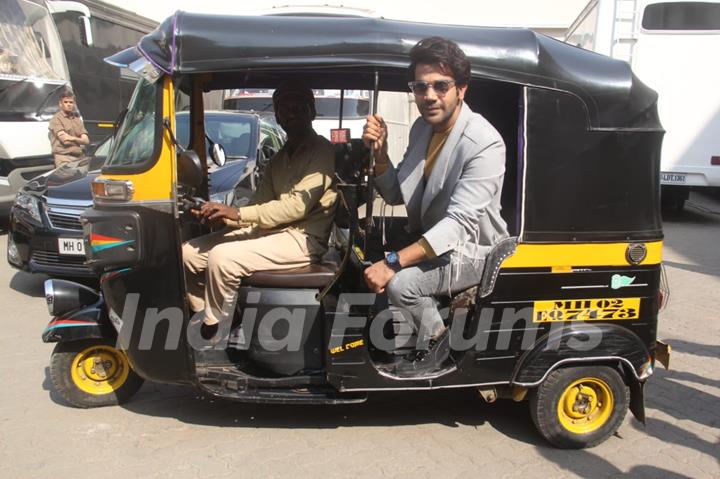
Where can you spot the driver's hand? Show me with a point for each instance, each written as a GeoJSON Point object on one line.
{"type": "Point", "coordinates": [214, 212]}
{"type": "Point", "coordinates": [375, 135]}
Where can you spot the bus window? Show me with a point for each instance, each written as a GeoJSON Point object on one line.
{"type": "Point", "coordinates": [682, 16]}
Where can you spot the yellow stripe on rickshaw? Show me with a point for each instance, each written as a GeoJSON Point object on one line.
{"type": "Point", "coordinates": [563, 257]}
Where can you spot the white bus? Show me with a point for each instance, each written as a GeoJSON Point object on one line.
{"type": "Point", "coordinates": [32, 71]}
{"type": "Point", "coordinates": [673, 48]}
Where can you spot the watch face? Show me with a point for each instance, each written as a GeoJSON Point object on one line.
{"type": "Point", "coordinates": [392, 257]}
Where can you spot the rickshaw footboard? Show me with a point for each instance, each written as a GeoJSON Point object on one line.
{"type": "Point", "coordinates": [284, 390]}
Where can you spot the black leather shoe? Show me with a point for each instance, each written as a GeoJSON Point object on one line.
{"type": "Point", "coordinates": [432, 359]}
{"type": "Point", "coordinates": [404, 364]}
{"type": "Point", "coordinates": [424, 361]}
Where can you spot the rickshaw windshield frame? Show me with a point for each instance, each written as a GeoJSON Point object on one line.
{"type": "Point", "coordinates": [138, 139]}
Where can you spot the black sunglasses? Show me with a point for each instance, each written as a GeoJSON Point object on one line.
{"type": "Point", "coordinates": [420, 88]}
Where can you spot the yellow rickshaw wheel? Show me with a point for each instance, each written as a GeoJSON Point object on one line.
{"type": "Point", "coordinates": [580, 406]}
{"type": "Point", "coordinates": [585, 405]}
{"type": "Point", "coordinates": [99, 369]}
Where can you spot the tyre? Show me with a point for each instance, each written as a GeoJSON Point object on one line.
{"type": "Point", "coordinates": [679, 204]}
{"type": "Point", "coordinates": [579, 407]}
{"type": "Point", "coordinates": [673, 200]}
{"type": "Point", "coordinates": [92, 373]}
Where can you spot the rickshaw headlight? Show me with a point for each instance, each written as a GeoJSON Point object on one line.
{"type": "Point", "coordinates": [105, 189]}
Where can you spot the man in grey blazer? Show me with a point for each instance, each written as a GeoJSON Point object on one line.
{"type": "Point", "coordinates": [450, 180]}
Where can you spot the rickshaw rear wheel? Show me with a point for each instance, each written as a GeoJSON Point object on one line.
{"type": "Point", "coordinates": [92, 373]}
{"type": "Point", "coordinates": [579, 407]}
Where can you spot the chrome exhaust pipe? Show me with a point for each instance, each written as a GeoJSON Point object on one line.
{"type": "Point", "coordinates": [64, 296]}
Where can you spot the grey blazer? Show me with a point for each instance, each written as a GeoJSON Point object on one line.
{"type": "Point", "coordinates": [459, 208]}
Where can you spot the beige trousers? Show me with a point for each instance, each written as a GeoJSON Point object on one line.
{"type": "Point", "coordinates": [216, 263]}
{"type": "Point", "coordinates": [62, 159]}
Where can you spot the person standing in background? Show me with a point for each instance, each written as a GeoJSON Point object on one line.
{"type": "Point", "coordinates": [67, 131]}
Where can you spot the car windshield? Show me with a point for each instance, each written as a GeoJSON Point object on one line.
{"type": "Point", "coordinates": [235, 132]}
{"type": "Point", "coordinates": [136, 137]}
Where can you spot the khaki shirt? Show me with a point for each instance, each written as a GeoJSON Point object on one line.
{"type": "Point", "coordinates": [72, 125]}
{"type": "Point", "coordinates": [297, 191]}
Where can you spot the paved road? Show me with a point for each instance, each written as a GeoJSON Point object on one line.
{"type": "Point", "coordinates": [174, 432]}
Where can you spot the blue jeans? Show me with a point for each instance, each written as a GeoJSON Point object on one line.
{"type": "Point", "coordinates": [414, 289]}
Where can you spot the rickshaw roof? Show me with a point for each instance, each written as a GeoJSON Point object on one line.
{"type": "Point", "coordinates": [262, 49]}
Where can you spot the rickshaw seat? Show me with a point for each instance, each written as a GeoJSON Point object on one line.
{"type": "Point", "coordinates": [311, 276]}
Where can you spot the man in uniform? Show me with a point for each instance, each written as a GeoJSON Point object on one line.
{"type": "Point", "coordinates": [67, 132]}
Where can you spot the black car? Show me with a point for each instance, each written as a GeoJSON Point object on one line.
{"type": "Point", "coordinates": [45, 234]}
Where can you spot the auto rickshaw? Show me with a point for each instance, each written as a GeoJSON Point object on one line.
{"type": "Point", "coordinates": [565, 316]}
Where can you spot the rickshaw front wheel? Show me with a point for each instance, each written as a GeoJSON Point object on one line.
{"type": "Point", "coordinates": [579, 407]}
{"type": "Point", "coordinates": [92, 373]}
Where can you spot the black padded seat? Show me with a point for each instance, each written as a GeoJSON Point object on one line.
{"type": "Point", "coordinates": [310, 276]}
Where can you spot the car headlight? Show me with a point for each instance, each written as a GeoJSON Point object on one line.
{"type": "Point", "coordinates": [29, 204]}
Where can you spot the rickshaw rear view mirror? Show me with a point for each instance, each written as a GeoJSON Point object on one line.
{"type": "Point", "coordinates": [189, 169]}
{"type": "Point", "coordinates": [218, 154]}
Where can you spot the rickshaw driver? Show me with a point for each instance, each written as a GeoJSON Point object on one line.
{"type": "Point", "coordinates": [287, 224]}
{"type": "Point", "coordinates": [450, 181]}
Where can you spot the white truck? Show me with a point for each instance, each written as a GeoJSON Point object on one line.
{"type": "Point", "coordinates": [673, 48]}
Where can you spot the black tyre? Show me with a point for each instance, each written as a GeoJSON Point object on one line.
{"type": "Point", "coordinates": [92, 373]}
{"type": "Point", "coordinates": [579, 407]}
{"type": "Point", "coordinates": [673, 200]}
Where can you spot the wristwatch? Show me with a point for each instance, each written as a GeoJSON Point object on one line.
{"type": "Point", "coordinates": [393, 261]}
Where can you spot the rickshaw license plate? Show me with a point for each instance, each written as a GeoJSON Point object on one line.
{"type": "Point", "coordinates": [71, 246]}
{"type": "Point", "coordinates": [603, 309]}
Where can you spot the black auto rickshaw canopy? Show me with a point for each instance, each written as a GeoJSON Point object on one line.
{"type": "Point", "coordinates": [582, 131]}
